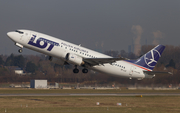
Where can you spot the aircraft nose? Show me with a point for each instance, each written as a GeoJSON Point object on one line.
{"type": "Point", "coordinates": [10, 34]}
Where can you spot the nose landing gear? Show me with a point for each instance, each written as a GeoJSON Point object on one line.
{"type": "Point", "coordinates": [20, 50]}
{"type": "Point", "coordinates": [20, 46]}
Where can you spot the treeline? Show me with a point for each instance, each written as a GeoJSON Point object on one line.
{"type": "Point", "coordinates": [39, 67]}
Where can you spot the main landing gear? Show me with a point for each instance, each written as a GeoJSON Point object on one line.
{"type": "Point", "coordinates": [85, 70]}
{"type": "Point", "coordinates": [20, 50]}
{"type": "Point", "coordinates": [77, 70]}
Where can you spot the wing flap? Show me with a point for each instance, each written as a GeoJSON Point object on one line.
{"type": "Point", "coordinates": [101, 61]}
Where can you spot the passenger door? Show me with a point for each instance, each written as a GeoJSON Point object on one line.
{"type": "Point", "coordinates": [131, 71]}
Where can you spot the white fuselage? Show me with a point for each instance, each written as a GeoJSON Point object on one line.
{"type": "Point", "coordinates": [119, 68]}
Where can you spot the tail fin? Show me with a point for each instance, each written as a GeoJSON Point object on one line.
{"type": "Point", "coordinates": [149, 60]}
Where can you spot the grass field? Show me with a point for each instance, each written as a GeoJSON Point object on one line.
{"type": "Point", "coordinates": [87, 104]}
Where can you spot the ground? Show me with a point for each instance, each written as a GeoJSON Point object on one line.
{"type": "Point", "coordinates": [87, 104]}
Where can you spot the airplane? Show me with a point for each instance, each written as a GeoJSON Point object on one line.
{"type": "Point", "coordinates": [62, 52]}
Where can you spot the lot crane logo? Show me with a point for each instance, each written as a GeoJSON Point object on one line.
{"type": "Point", "coordinates": [152, 57]}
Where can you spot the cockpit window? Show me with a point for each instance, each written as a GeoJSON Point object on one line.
{"type": "Point", "coordinates": [19, 32]}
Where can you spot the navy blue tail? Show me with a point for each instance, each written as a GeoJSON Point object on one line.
{"type": "Point", "coordinates": [149, 60]}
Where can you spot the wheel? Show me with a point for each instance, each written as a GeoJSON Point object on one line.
{"type": "Point", "coordinates": [20, 50]}
{"type": "Point", "coordinates": [76, 70]}
{"type": "Point", "coordinates": [85, 70]}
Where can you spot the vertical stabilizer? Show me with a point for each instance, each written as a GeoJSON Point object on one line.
{"type": "Point", "coordinates": [149, 60]}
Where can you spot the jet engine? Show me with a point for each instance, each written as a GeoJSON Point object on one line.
{"type": "Point", "coordinates": [74, 59]}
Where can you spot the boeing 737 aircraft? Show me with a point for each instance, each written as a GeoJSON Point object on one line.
{"type": "Point", "coordinates": [63, 52]}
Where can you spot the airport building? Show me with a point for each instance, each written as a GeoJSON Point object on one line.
{"type": "Point", "coordinates": [38, 84]}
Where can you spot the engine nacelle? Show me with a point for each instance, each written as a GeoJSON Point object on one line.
{"type": "Point", "coordinates": [74, 59]}
{"type": "Point", "coordinates": [56, 60]}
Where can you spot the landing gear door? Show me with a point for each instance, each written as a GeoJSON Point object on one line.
{"type": "Point", "coordinates": [131, 71]}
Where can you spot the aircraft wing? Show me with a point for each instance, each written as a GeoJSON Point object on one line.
{"type": "Point", "coordinates": [101, 61]}
{"type": "Point", "coordinates": [156, 72]}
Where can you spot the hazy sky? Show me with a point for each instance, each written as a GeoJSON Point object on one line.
{"type": "Point", "coordinates": [96, 24]}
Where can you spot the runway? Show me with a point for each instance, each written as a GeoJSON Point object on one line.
{"type": "Point", "coordinates": [93, 94]}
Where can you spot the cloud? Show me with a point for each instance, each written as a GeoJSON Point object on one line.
{"type": "Point", "coordinates": [137, 30]}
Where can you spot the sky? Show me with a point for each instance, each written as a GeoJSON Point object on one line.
{"type": "Point", "coordinates": [96, 24]}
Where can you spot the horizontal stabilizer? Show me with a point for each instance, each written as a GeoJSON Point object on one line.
{"type": "Point", "coordinates": [156, 72]}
